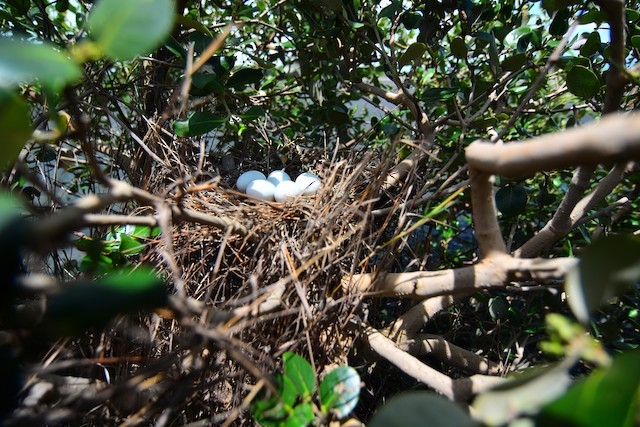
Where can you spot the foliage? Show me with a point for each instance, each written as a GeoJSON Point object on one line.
{"type": "Point", "coordinates": [292, 404]}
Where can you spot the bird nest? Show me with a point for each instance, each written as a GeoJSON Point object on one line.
{"type": "Point", "coordinates": [268, 282]}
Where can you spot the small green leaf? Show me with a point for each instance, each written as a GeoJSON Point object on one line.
{"type": "Point", "coordinates": [498, 308]}
{"type": "Point", "coordinates": [125, 29]}
{"type": "Point", "coordinates": [83, 305]}
{"type": "Point", "coordinates": [15, 126]}
{"type": "Point", "coordinates": [635, 41]}
{"type": "Point", "coordinates": [560, 23]}
{"type": "Point", "coordinates": [606, 269]}
{"type": "Point", "coordinates": [411, 20]}
{"type": "Point", "coordinates": [439, 94]}
{"type": "Point", "coordinates": [632, 15]}
{"type": "Point", "coordinates": [23, 62]}
{"type": "Point", "coordinates": [337, 114]}
{"type": "Point", "coordinates": [512, 38]}
{"type": "Point", "coordinates": [301, 374]}
{"type": "Point", "coordinates": [459, 48]}
{"type": "Point", "coordinates": [511, 200]}
{"type": "Point", "coordinates": [206, 84]}
{"type": "Point", "coordinates": [609, 396]}
{"type": "Point", "coordinates": [130, 245]}
{"type": "Point", "coordinates": [419, 409]}
{"type": "Point", "coordinates": [301, 416]}
{"type": "Point", "coordinates": [245, 77]}
{"type": "Point", "coordinates": [514, 62]}
{"type": "Point", "coordinates": [198, 123]}
{"type": "Point", "coordinates": [592, 45]}
{"type": "Point", "coordinates": [582, 82]}
{"type": "Point", "coordinates": [252, 113]}
{"type": "Point", "coordinates": [340, 391]}
{"type": "Point", "coordinates": [593, 15]}
{"type": "Point", "coordinates": [413, 53]}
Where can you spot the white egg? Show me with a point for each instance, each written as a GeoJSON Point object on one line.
{"type": "Point", "coordinates": [276, 177]}
{"type": "Point", "coordinates": [246, 178]}
{"type": "Point", "coordinates": [261, 189]}
{"type": "Point", "coordinates": [308, 183]}
{"type": "Point", "coordinates": [286, 191]}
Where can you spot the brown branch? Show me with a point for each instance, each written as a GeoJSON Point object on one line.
{"type": "Point", "coordinates": [449, 353]}
{"type": "Point", "coordinates": [493, 272]}
{"type": "Point", "coordinates": [616, 77]}
{"type": "Point", "coordinates": [460, 389]}
{"type": "Point", "coordinates": [485, 219]}
{"type": "Point", "coordinates": [614, 138]}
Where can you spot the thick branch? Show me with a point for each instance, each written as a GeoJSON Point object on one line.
{"type": "Point", "coordinates": [492, 272]}
{"type": "Point", "coordinates": [451, 354]}
{"type": "Point", "coordinates": [460, 390]}
{"type": "Point", "coordinates": [485, 219]}
{"type": "Point", "coordinates": [614, 138]}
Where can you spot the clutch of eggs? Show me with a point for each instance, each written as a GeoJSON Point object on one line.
{"type": "Point", "coordinates": [278, 185]}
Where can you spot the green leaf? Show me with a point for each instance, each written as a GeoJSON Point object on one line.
{"type": "Point", "coordinates": [301, 374]}
{"type": "Point", "coordinates": [15, 126]}
{"type": "Point", "coordinates": [512, 38]}
{"type": "Point", "coordinates": [514, 62]}
{"type": "Point", "coordinates": [337, 114]}
{"type": "Point", "coordinates": [244, 77]}
{"type": "Point", "coordinates": [411, 20]}
{"type": "Point", "coordinates": [83, 305]}
{"type": "Point", "coordinates": [125, 29]}
{"type": "Point", "coordinates": [301, 416]}
{"type": "Point", "coordinates": [413, 53]}
{"type": "Point", "coordinates": [206, 84]}
{"type": "Point", "coordinates": [560, 23]}
{"type": "Point", "coordinates": [439, 93]}
{"type": "Point", "coordinates": [592, 45]}
{"type": "Point", "coordinates": [607, 397]}
{"type": "Point", "coordinates": [419, 409]}
{"type": "Point", "coordinates": [632, 15]}
{"type": "Point", "coordinates": [459, 48]}
{"type": "Point", "coordinates": [24, 62]}
{"type": "Point", "coordinates": [130, 245]}
{"type": "Point", "coordinates": [340, 391]}
{"type": "Point", "coordinates": [582, 82]}
{"type": "Point", "coordinates": [606, 269]}
{"type": "Point", "coordinates": [198, 123]}
{"type": "Point", "coordinates": [635, 41]}
{"type": "Point", "coordinates": [511, 200]}
{"type": "Point", "coordinates": [252, 113]}
{"type": "Point", "coordinates": [590, 17]}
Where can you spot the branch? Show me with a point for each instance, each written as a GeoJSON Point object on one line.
{"type": "Point", "coordinates": [485, 221]}
{"type": "Point", "coordinates": [451, 354]}
{"type": "Point", "coordinates": [560, 224]}
{"type": "Point", "coordinates": [614, 138]}
{"type": "Point", "coordinates": [416, 317]}
{"type": "Point", "coordinates": [460, 389]}
{"type": "Point", "coordinates": [493, 272]}
{"type": "Point", "coordinates": [616, 77]}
